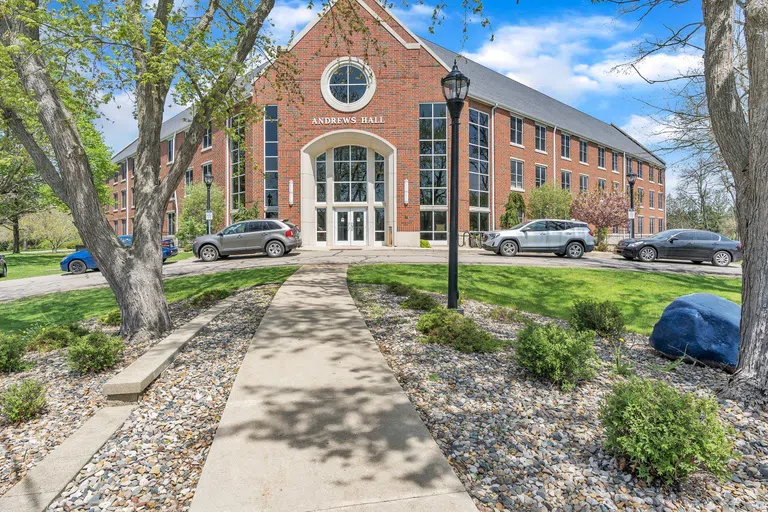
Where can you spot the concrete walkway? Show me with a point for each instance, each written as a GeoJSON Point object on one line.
{"type": "Point", "coordinates": [317, 421]}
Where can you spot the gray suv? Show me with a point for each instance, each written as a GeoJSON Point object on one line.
{"type": "Point", "coordinates": [274, 237]}
{"type": "Point", "coordinates": [563, 237]}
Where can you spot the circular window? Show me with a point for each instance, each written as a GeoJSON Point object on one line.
{"type": "Point", "coordinates": [348, 84]}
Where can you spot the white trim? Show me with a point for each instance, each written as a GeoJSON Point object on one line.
{"type": "Point", "coordinates": [516, 145]}
{"type": "Point", "coordinates": [325, 88]}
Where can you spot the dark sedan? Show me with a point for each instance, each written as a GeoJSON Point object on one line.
{"type": "Point", "coordinates": [682, 244]}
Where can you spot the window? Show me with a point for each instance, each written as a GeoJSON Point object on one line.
{"type": "Point", "coordinates": [169, 150]}
{"type": "Point", "coordinates": [124, 199]}
{"type": "Point", "coordinates": [114, 202]}
{"type": "Point", "coordinates": [433, 164]}
{"type": "Point", "coordinates": [517, 130]}
{"type": "Point", "coordinates": [601, 158]}
{"type": "Point", "coordinates": [378, 179]}
{"type": "Point", "coordinates": [640, 170]}
{"type": "Point", "coordinates": [565, 146]}
{"type": "Point", "coordinates": [517, 174]}
{"type": "Point", "coordinates": [188, 175]}
{"type": "Point", "coordinates": [379, 231]}
{"type": "Point", "coordinates": [434, 225]}
{"type": "Point", "coordinates": [614, 161]}
{"type": "Point", "coordinates": [171, 223]}
{"type": "Point", "coordinates": [322, 226]}
{"type": "Point", "coordinates": [541, 175]}
{"type": "Point", "coordinates": [133, 198]}
{"type": "Point", "coordinates": [565, 180]}
{"type": "Point", "coordinates": [478, 221]}
{"type": "Point", "coordinates": [271, 161]}
{"type": "Point", "coordinates": [660, 200]}
{"type": "Point", "coordinates": [650, 173]}
{"type": "Point", "coordinates": [348, 83]}
{"type": "Point", "coordinates": [350, 174]}
{"type": "Point", "coordinates": [651, 195]}
{"type": "Point", "coordinates": [629, 165]}
{"type": "Point", "coordinates": [640, 225]}
{"type": "Point", "coordinates": [123, 170]}
{"type": "Point", "coordinates": [208, 137]}
{"type": "Point", "coordinates": [538, 226]}
{"type": "Point", "coordinates": [661, 225]}
{"type": "Point", "coordinates": [478, 159]}
{"type": "Point", "coordinates": [640, 196]}
{"type": "Point", "coordinates": [114, 227]}
{"type": "Point", "coordinates": [583, 183]}
{"type": "Point", "coordinates": [124, 227]}
{"type": "Point", "coordinates": [661, 177]}
{"type": "Point", "coordinates": [541, 138]}
{"type": "Point", "coordinates": [116, 177]}
{"type": "Point", "coordinates": [237, 163]}
{"type": "Point", "coordinates": [601, 183]}
{"type": "Point", "coordinates": [651, 225]}
{"type": "Point", "coordinates": [321, 178]}
{"type": "Point", "coordinates": [583, 151]}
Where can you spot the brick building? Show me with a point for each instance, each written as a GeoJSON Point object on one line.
{"type": "Point", "coordinates": [363, 159]}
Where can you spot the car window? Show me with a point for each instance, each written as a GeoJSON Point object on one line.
{"type": "Point", "coordinates": [538, 226]}
{"type": "Point", "coordinates": [556, 225]}
{"type": "Point", "coordinates": [686, 235]}
{"type": "Point", "coordinates": [273, 225]}
{"type": "Point", "coordinates": [252, 226]}
{"type": "Point", "coordinates": [234, 228]}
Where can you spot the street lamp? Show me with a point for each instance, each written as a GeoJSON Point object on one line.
{"type": "Point", "coordinates": [208, 180]}
{"type": "Point", "coordinates": [631, 179]}
{"type": "Point", "coordinates": [455, 89]}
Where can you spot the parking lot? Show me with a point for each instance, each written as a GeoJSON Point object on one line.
{"type": "Point", "coordinates": [20, 288]}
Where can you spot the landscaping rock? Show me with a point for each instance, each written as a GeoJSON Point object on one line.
{"type": "Point", "coordinates": [702, 327]}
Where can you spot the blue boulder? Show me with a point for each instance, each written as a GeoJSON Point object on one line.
{"type": "Point", "coordinates": [700, 326]}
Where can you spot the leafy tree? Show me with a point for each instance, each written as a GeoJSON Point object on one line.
{"type": "Point", "coordinates": [53, 226]}
{"type": "Point", "coordinates": [700, 201]}
{"type": "Point", "coordinates": [192, 220]}
{"type": "Point", "coordinates": [254, 212]}
{"type": "Point", "coordinates": [514, 210]}
{"type": "Point", "coordinates": [602, 209]}
{"type": "Point", "coordinates": [549, 202]}
{"type": "Point", "coordinates": [20, 186]}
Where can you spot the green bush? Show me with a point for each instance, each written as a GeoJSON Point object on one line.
{"type": "Point", "coordinates": [424, 244]}
{"type": "Point", "coordinates": [51, 338]}
{"type": "Point", "coordinates": [420, 301]}
{"type": "Point", "coordinates": [506, 315]}
{"type": "Point", "coordinates": [23, 401]}
{"type": "Point", "coordinates": [563, 356]}
{"type": "Point", "coordinates": [402, 290]}
{"type": "Point", "coordinates": [445, 327]}
{"type": "Point", "coordinates": [209, 297]}
{"type": "Point", "coordinates": [113, 318]}
{"type": "Point", "coordinates": [77, 330]}
{"type": "Point", "coordinates": [665, 434]}
{"type": "Point", "coordinates": [603, 317]}
{"type": "Point", "coordinates": [12, 353]}
{"type": "Point", "coordinates": [95, 352]}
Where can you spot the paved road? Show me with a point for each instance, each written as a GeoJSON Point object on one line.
{"type": "Point", "coordinates": [20, 288]}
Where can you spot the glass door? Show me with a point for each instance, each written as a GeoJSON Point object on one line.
{"type": "Point", "coordinates": [342, 227]}
{"type": "Point", "coordinates": [351, 226]}
{"type": "Point", "coordinates": [358, 227]}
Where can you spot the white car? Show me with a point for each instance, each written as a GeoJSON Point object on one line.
{"type": "Point", "coordinates": [563, 237]}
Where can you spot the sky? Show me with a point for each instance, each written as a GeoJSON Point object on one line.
{"type": "Point", "coordinates": [570, 50]}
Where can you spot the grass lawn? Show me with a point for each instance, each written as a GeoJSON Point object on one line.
{"type": "Point", "coordinates": [551, 291]}
{"type": "Point", "coordinates": [33, 264]}
{"type": "Point", "coordinates": [65, 307]}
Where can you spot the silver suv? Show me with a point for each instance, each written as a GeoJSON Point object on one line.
{"type": "Point", "coordinates": [274, 237]}
{"type": "Point", "coordinates": [563, 237]}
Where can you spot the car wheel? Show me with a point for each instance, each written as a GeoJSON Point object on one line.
{"type": "Point", "coordinates": [508, 248]}
{"type": "Point", "coordinates": [647, 254]}
{"type": "Point", "coordinates": [274, 249]}
{"type": "Point", "coordinates": [574, 250]}
{"type": "Point", "coordinates": [209, 253]}
{"type": "Point", "coordinates": [77, 267]}
{"type": "Point", "coordinates": [721, 259]}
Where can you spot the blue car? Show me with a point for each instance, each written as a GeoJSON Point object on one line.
{"type": "Point", "coordinates": [80, 261]}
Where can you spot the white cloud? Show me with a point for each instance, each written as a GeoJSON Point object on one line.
{"type": "Point", "coordinates": [289, 17]}
{"type": "Point", "coordinates": [417, 17]}
{"type": "Point", "coordinates": [646, 130]}
{"type": "Point", "coordinates": [575, 56]}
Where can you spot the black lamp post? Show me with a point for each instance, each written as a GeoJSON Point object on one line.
{"type": "Point", "coordinates": [208, 179]}
{"type": "Point", "coordinates": [455, 89]}
{"type": "Point", "coordinates": [631, 179]}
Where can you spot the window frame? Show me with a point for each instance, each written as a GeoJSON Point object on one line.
{"type": "Point", "coordinates": [565, 149]}
{"type": "Point", "coordinates": [512, 172]}
{"type": "Point", "coordinates": [600, 157]}
{"type": "Point", "coordinates": [540, 128]}
{"type": "Point", "coordinates": [207, 142]}
{"type": "Point", "coordinates": [583, 152]}
{"type": "Point", "coordinates": [563, 174]}
{"type": "Point", "coordinates": [170, 149]}
{"type": "Point", "coordinates": [537, 181]}
{"type": "Point", "coordinates": [513, 121]}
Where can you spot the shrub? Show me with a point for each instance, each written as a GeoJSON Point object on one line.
{"type": "Point", "coordinates": [665, 434]}
{"type": "Point", "coordinates": [506, 315]}
{"type": "Point", "coordinates": [23, 401]}
{"type": "Point", "coordinates": [113, 318]}
{"type": "Point", "coordinates": [209, 297]}
{"type": "Point", "coordinates": [95, 352]}
{"type": "Point", "coordinates": [605, 318]}
{"type": "Point", "coordinates": [424, 244]}
{"type": "Point", "coordinates": [400, 289]}
{"type": "Point", "coordinates": [563, 356]}
{"type": "Point", "coordinates": [421, 301]}
{"type": "Point", "coordinates": [77, 330]}
{"type": "Point", "coordinates": [51, 338]}
{"type": "Point", "coordinates": [445, 327]}
{"type": "Point", "coordinates": [12, 353]}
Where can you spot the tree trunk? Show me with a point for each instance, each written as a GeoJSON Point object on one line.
{"type": "Point", "coordinates": [16, 235]}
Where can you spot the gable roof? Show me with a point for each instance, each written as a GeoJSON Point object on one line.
{"type": "Point", "coordinates": [492, 87]}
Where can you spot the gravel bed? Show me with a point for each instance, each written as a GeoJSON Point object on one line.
{"type": "Point", "coordinates": [72, 399]}
{"type": "Point", "coordinates": [154, 460]}
{"type": "Point", "coordinates": [520, 444]}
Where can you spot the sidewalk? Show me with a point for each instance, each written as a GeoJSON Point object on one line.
{"type": "Point", "coordinates": [316, 420]}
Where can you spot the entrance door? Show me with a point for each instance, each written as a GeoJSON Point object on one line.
{"type": "Point", "coordinates": [350, 227]}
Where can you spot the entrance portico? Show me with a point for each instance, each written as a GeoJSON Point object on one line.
{"type": "Point", "coordinates": [348, 191]}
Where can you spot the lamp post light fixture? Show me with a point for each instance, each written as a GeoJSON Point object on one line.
{"type": "Point", "coordinates": [208, 180]}
{"type": "Point", "coordinates": [631, 179]}
{"type": "Point", "coordinates": [455, 89]}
